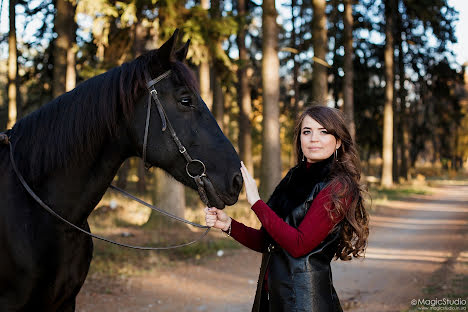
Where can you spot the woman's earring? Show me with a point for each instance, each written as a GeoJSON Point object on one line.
{"type": "Point", "coordinates": [303, 157]}
{"type": "Point", "coordinates": [336, 155]}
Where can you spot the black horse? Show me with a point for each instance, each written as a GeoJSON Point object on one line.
{"type": "Point", "coordinates": [69, 151]}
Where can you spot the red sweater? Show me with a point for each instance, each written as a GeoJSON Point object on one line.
{"type": "Point", "coordinates": [313, 229]}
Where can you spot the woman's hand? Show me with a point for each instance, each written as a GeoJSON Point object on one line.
{"type": "Point", "coordinates": [251, 189]}
{"type": "Point", "coordinates": [217, 218]}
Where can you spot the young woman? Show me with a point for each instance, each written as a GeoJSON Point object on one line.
{"type": "Point", "coordinates": [315, 214]}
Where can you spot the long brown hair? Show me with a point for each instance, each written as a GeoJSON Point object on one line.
{"type": "Point", "coordinates": [345, 175]}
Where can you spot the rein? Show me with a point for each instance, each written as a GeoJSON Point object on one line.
{"type": "Point", "coordinates": [153, 96]}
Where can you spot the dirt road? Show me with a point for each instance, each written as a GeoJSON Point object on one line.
{"type": "Point", "coordinates": [410, 241]}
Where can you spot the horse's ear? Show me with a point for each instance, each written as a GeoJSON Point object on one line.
{"type": "Point", "coordinates": [181, 54]}
{"type": "Point", "coordinates": [167, 50]}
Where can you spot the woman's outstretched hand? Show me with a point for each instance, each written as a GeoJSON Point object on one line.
{"type": "Point", "coordinates": [217, 218]}
{"type": "Point", "coordinates": [251, 189]}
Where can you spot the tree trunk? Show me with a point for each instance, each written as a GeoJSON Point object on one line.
{"type": "Point", "coordinates": [319, 43]}
{"type": "Point", "coordinates": [64, 49]}
{"type": "Point", "coordinates": [271, 151]}
{"type": "Point", "coordinates": [295, 103]}
{"type": "Point", "coordinates": [169, 195]}
{"type": "Point", "coordinates": [388, 110]}
{"type": "Point", "coordinates": [395, 143]}
{"type": "Point", "coordinates": [228, 103]}
{"type": "Point", "coordinates": [12, 68]}
{"type": "Point", "coordinates": [218, 102]}
{"type": "Point", "coordinates": [70, 80]}
{"type": "Point", "coordinates": [123, 174]}
{"type": "Point", "coordinates": [244, 99]}
{"type": "Point", "coordinates": [204, 70]}
{"type": "Point", "coordinates": [403, 129]}
{"type": "Point", "coordinates": [348, 68]}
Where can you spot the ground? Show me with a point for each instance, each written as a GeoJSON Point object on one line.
{"type": "Point", "coordinates": [418, 249]}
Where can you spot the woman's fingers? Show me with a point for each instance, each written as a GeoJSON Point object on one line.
{"type": "Point", "coordinates": [211, 210]}
{"type": "Point", "coordinates": [210, 220]}
{"type": "Point", "coordinates": [245, 173]}
{"type": "Point", "coordinates": [210, 216]}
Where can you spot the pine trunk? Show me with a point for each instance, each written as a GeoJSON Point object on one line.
{"type": "Point", "coordinates": [204, 70]}
{"type": "Point", "coordinates": [168, 195]}
{"type": "Point", "coordinates": [403, 129]}
{"type": "Point", "coordinates": [387, 156]}
{"type": "Point", "coordinates": [12, 68]}
{"type": "Point", "coordinates": [218, 101]}
{"type": "Point", "coordinates": [271, 151]}
{"type": "Point", "coordinates": [348, 68]}
{"type": "Point", "coordinates": [319, 43]}
{"type": "Point", "coordinates": [244, 99]}
{"type": "Point", "coordinates": [64, 49]}
{"type": "Point", "coordinates": [295, 103]}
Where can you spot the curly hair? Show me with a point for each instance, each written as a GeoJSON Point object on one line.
{"type": "Point", "coordinates": [345, 175]}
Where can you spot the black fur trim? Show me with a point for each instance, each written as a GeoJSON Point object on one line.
{"type": "Point", "coordinates": [297, 185]}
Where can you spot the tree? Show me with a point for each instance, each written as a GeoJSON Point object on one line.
{"type": "Point", "coordinates": [271, 149]}
{"type": "Point", "coordinates": [243, 92]}
{"type": "Point", "coordinates": [217, 72]}
{"type": "Point", "coordinates": [319, 42]}
{"type": "Point", "coordinates": [12, 68]}
{"type": "Point", "coordinates": [348, 67]}
{"type": "Point", "coordinates": [64, 47]}
{"type": "Point", "coordinates": [204, 69]}
{"type": "Point", "coordinates": [169, 194]}
{"type": "Point", "coordinates": [387, 155]}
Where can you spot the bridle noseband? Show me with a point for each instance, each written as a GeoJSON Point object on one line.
{"type": "Point", "coordinates": [4, 139]}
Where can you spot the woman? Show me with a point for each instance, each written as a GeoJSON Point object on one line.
{"type": "Point", "coordinates": [316, 213]}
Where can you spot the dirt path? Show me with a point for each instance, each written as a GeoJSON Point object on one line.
{"type": "Point", "coordinates": [410, 240]}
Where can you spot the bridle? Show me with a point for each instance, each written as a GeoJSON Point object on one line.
{"type": "Point", "coordinates": [166, 123]}
{"type": "Point", "coordinates": [153, 96]}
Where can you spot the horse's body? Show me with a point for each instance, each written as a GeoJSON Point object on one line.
{"type": "Point", "coordinates": [70, 150]}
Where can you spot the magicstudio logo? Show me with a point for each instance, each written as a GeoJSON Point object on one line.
{"type": "Point", "coordinates": [441, 304]}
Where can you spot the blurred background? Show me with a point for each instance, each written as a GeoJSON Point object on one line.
{"type": "Point", "coordinates": [396, 68]}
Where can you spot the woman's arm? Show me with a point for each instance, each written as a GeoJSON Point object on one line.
{"type": "Point", "coordinates": [313, 229]}
{"type": "Point", "coordinates": [247, 236]}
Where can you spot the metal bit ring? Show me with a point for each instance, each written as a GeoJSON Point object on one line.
{"type": "Point", "coordinates": [198, 175]}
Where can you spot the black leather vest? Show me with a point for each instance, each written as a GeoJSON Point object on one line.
{"type": "Point", "coordinates": [299, 284]}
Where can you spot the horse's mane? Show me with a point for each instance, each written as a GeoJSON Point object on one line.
{"type": "Point", "coordinates": [73, 126]}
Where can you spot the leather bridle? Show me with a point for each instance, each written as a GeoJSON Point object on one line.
{"type": "Point", "coordinates": [165, 123]}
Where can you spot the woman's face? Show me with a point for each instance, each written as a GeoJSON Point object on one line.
{"type": "Point", "coordinates": [316, 143]}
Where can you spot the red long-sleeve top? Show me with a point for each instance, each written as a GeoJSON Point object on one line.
{"type": "Point", "coordinates": [313, 229]}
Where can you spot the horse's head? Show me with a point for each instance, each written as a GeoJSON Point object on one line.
{"type": "Point", "coordinates": [194, 125]}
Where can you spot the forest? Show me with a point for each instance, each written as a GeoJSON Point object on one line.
{"type": "Point", "coordinates": [388, 65]}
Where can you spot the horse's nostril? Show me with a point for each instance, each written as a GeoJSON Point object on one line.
{"type": "Point", "coordinates": [237, 183]}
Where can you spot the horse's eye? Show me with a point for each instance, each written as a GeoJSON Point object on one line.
{"type": "Point", "coordinates": [186, 101]}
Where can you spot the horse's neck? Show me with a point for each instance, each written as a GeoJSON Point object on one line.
{"type": "Point", "coordinates": [75, 191]}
